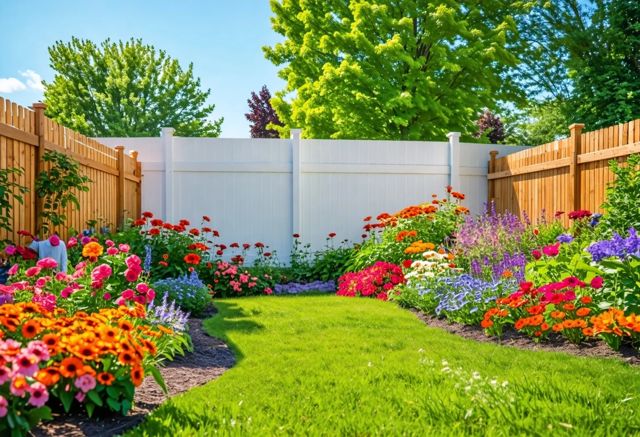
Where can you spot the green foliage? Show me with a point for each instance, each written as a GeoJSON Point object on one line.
{"type": "Point", "coordinates": [309, 363]}
{"type": "Point", "coordinates": [324, 265]}
{"type": "Point", "coordinates": [607, 80]}
{"type": "Point", "coordinates": [539, 123]}
{"type": "Point", "coordinates": [391, 69]}
{"type": "Point", "coordinates": [623, 198]}
{"type": "Point", "coordinates": [125, 89]}
{"type": "Point", "coordinates": [9, 189]}
{"type": "Point", "coordinates": [58, 188]}
{"type": "Point", "coordinates": [621, 284]}
{"type": "Point", "coordinates": [572, 260]}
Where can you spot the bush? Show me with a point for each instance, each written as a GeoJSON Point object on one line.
{"type": "Point", "coordinates": [622, 206]}
{"type": "Point", "coordinates": [427, 224]}
{"type": "Point", "coordinates": [188, 292]}
{"type": "Point", "coordinates": [375, 281]}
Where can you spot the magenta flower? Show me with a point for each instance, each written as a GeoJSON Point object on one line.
{"type": "Point", "coordinates": [47, 263]}
{"type": "Point", "coordinates": [551, 250]}
{"type": "Point", "coordinates": [3, 406]}
{"type": "Point", "coordinates": [597, 282]}
{"type": "Point", "coordinates": [124, 248]}
{"type": "Point", "coordinates": [85, 383]}
{"type": "Point", "coordinates": [10, 250]}
{"type": "Point", "coordinates": [5, 374]}
{"type": "Point", "coordinates": [32, 271]}
{"type": "Point", "coordinates": [13, 270]}
{"type": "Point", "coordinates": [100, 273]}
{"type": "Point", "coordinates": [39, 394]}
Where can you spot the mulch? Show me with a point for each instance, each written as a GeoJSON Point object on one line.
{"type": "Point", "coordinates": [555, 343]}
{"type": "Point", "coordinates": [210, 358]}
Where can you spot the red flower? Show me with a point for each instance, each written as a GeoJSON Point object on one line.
{"type": "Point", "coordinates": [580, 214]}
{"type": "Point", "coordinates": [234, 245]}
{"type": "Point", "coordinates": [267, 254]}
{"type": "Point", "coordinates": [154, 231]}
{"type": "Point", "coordinates": [216, 233]}
{"type": "Point", "coordinates": [559, 213]}
{"type": "Point", "coordinates": [139, 222]}
{"type": "Point", "coordinates": [206, 218]}
{"type": "Point", "coordinates": [259, 245]}
{"type": "Point", "coordinates": [220, 252]}
{"type": "Point", "coordinates": [407, 263]}
{"type": "Point", "coordinates": [168, 226]}
{"type": "Point", "coordinates": [449, 188]}
{"type": "Point", "coordinates": [192, 258]}
{"type": "Point", "coordinates": [536, 254]}
{"type": "Point", "coordinates": [206, 229]}
{"type": "Point", "coordinates": [551, 250]}
{"type": "Point", "coordinates": [536, 231]}
{"type": "Point", "coordinates": [363, 236]}
{"type": "Point", "coordinates": [367, 219]}
{"type": "Point", "coordinates": [458, 195]}
{"type": "Point", "coordinates": [156, 222]}
{"type": "Point", "coordinates": [222, 247]}
{"type": "Point", "coordinates": [296, 235]}
{"type": "Point", "coordinates": [163, 263]}
{"type": "Point", "coordinates": [194, 231]}
{"type": "Point", "coordinates": [246, 246]}
{"type": "Point", "coordinates": [147, 214]}
{"type": "Point", "coordinates": [332, 234]}
{"type": "Point", "coordinates": [184, 222]}
{"type": "Point", "coordinates": [597, 282]}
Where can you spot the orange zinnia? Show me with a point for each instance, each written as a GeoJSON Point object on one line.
{"type": "Point", "coordinates": [48, 376]}
{"type": "Point", "coordinates": [70, 366]}
{"type": "Point", "coordinates": [51, 340]}
{"type": "Point", "coordinates": [137, 375]}
{"type": "Point", "coordinates": [126, 358]}
{"type": "Point", "coordinates": [105, 378]}
{"type": "Point", "coordinates": [192, 258]}
{"type": "Point", "coordinates": [125, 325]}
{"type": "Point", "coordinates": [31, 329]}
{"type": "Point", "coordinates": [583, 312]}
{"type": "Point", "coordinates": [92, 250]}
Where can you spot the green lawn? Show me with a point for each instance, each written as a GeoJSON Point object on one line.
{"type": "Point", "coordinates": [325, 365]}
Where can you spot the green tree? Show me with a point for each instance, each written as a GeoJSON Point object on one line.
{"type": "Point", "coordinates": [125, 89]}
{"type": "Point", "coordinates": [539, 123]}
{"type": "Point", "coordinates": [607, 81]}
{"type": "Point", "coordinates": [392, 69]}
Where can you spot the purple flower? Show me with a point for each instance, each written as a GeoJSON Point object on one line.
{"type": "Point", "coordinates": [298, 287]}
{"type": "Point", "coordinates": [564, 238]}
{"type": "Point", "coordinates": [617, 246]}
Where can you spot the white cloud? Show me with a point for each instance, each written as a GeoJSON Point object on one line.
{"type": "Point", "coordinates": [11, 85]}
{"type": "Point", "coordinates": [34, 80]}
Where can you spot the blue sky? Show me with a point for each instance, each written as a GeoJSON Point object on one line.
{"type": "Point", "coordinates": [223, 39]}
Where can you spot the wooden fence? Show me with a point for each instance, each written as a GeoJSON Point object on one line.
{"type": "Point", "coordinates": [565, 175]}
{"type": "Point", "coordinates": [115, 190]}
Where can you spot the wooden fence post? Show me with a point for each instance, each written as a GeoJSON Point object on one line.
{"type": "Point", "coordinates": [120, 188]}
{"type": "Point", "coordinates": [138, 173]}
{"type": "Point", "coordinates": [492, 182]}
{"type": "Point", "coordinates": [40, 129]}
{"type": "Point", "coordinates": [574, 171]}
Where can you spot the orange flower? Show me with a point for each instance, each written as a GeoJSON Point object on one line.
{"type": "Point", "coordinates": [568, 307]}
{"type": "Point", "coordinates": [31, 328]}
{"type": "Point", "coordinates": [557, 315]}
{"type": "Point", "coordinates": [583, 312]}
{"type": "Point", "coordinates": [586, 300]}
{"type": "Point", "coordinates": [557, 327]}
{"type": "Point", "coordinates": [105, 378]}
{"type": "Point", "coordinates": [86, 352]}
{"type": "Point", "coordinates": [69, 367]}
{"type": "Point", "coordinates": [137, 375]}
{"type": "Point", "coordinates": [51, 340]}
{"type": "Point", "coordinates": [92, 250]}
{"type": "Point", "coordinates": [486, 323]}
{"type": "Point", "coordinates": [48, 376]}
{"type": "Point", "coordinates": [125, 325]}
{"type": "Point", "coordinates": [126, 358]}
{"type": "Point", "coordinates": [507, 274]}
{"type": "Point", "coordinates": [588, 332]}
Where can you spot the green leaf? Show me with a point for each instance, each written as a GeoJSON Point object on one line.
{"type": "Point", "coordinates": [95, 398]}
{"type": "Point", "coordinates": [113, 404]}
{"type": "Point", "coordinates": [157, 376]}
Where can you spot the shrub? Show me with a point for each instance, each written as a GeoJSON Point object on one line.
{"type": "Point", "coordinates": [623, 209]}
{"type": "Point", "coordinates": [375, 281]}
{"type": "Point", "coordinates": [188, 292]}
{"type": "Point", "coordinates": [429, 223]}
{"type": "Point", "coordinates": [228, 279]}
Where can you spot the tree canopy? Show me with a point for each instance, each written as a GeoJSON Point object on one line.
{"type": "Point", "coordinates": [262, 116]}
{"type": "Point", "coordinates": [125, 89]}
{"type": "Point", "coordinates": [391, 69]}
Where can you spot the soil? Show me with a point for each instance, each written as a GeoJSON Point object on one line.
{"type": "Point", "coordinates": [210, 358]}
{"type": "Point", "coordinates": [513, 338]}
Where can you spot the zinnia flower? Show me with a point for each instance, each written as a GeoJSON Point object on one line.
{"type": "Point", "coordinates": [192, 258]}
{"type": "Point", "coordinates": [92, 250]}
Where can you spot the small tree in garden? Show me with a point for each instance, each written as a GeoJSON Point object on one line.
{"type": "Point", "coordinates": [622, 207]}
{"type": "Point", "coordinates": [57, 188]}
{"type": "Point", "coordinates": [262, 115]}
{"type": "Point", "coordinates": [490, 125]}
{"type": "Point", "coordinates": [9, 189]}
{"type": "Point", "coordinates": [125, 89]}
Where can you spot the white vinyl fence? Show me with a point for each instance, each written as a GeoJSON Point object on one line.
{"type": "Point", "coordinates": [268, 189]}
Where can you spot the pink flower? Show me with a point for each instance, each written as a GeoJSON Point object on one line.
{"type": "Point", "coordinates": [80, 396]}
{"type": "Point", "coordinates": [39, 394]}
{"type": "Point", "coordinates": [128, 294]}
{"type": "Point", "coordinates": [39, 349]}
{"type": "Point", "coordinates": [85, 240]}
{"type": "Point", "coordinates": [142, 288]}
{"type": "Point", "coordinates": [61, 276]}
{"type": "Point", "coordinates": [10, 250]}
{"type": "Point", "coordinates": [597, 282]}
{"type": "Point", "coordinates": [133, 273]}
{"type": "Point", "coordinates": [81, 265]}
{"type": "Point", "coordinates": [112, 251]}
{"type": "Point", "coordinates": [120, 301]}
{"type": "Point", "coordinates": [5, 374]}
{"type": "Point", "coordinates": [42, 281]}
{"type": "Point", "coordinates": [124, 248]}
{"type": "Point", "coordinates": [18, 390]}
{"type": "Point", "coordinates": [32, 271]}
{"type": "Point", "coordinates": [66, 292]}
{"type": "Point", "coordinates": [536, 254]}
{"type": "Point", "coordinates": [3, 406]}
{"type": "Point", "coordinates": [268, 290]}
{"type": "Point", "coordinates": [13, 270]}
{"type": "Point", "coordinates": [382, 296]}
{"type": "Point", "coordinates": [106, 296]}
{"type": "Point", "coordinates": [47, 263]}
{"type": "Point", "coordinates": [54, 240]}
{"type": "Point", "coordinates": [72, 242]}
{"type": "Point", "coordinates": [109, 243]}
{"type": "Point", "coordinates": [85, 383]}
{"type": "Point", "coordinates": [132, 260]}
{"type": "Point", "coordinates": [151, 294]}
{"type": "Point", "coordinates": [551, 250]}
{"type": "Point", "coordinates": [102, 272]}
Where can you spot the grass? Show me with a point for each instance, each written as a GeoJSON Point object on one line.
{"type": "Point", "coordinates": [325, 365]}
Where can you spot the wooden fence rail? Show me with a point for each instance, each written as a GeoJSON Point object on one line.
{"type": "Point", "coordinates": [564, 175]}
{"type": "Point", "coordinates": [115, 188]}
